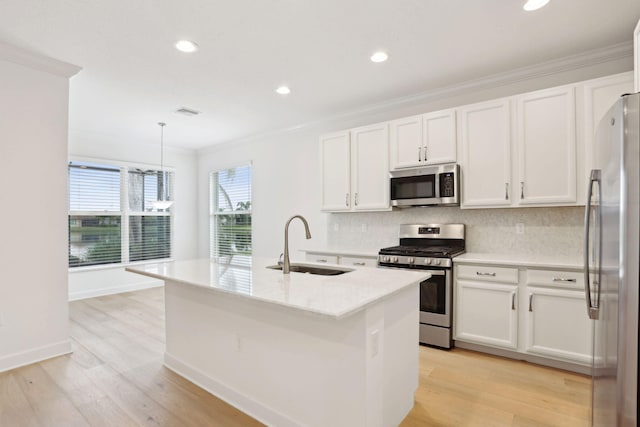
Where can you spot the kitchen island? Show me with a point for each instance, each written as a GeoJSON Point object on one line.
{"type": "Point", "coordinates": [295, 349]}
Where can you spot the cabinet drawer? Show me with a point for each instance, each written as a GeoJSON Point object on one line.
{"type": "Point", "coordinates": [323, 258]}
{"type": "Point", "coordinates": [555, 278]}
{"type": "Point", "coordinates": [358, 261]}
{"type": "Point", "coordinates": [487, 273]}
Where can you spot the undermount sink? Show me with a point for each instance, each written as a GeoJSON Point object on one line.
{"type": "Point", "coordinates": [313, 269]}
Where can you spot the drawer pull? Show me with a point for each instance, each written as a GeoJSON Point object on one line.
{"type": "Point", "coordinates": [321, 260]}
{"type": "Point", "coordinates": [513, 300]}
{"type": "Point", "coordinates": [359, 263]}
{"type": "Point", "coordinates": [530, 302]}
{"type": "Point", "coordinates": [562, 279]}
{"type": "Point", "coordinates": [479, 273]}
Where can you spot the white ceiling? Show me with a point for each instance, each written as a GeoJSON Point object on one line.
{"type": "Point", "coordinates": [133, 77]}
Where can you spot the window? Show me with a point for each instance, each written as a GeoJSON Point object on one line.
{"type": "Point", "coordinates": [230, 220]}
{"type": "Point", "coordinates": [111, 214]}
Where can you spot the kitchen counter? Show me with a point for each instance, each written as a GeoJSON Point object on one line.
{"type": "Point", "coordinates": [333, 296]}
{"type": "Point", "coordinates": [344, 252]}
{"type": "Point", "coordinates": [541, 261]}
{"type": "Point", "coordinates": [295, 349]}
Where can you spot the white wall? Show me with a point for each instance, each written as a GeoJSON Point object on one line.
{"type": "Point", "coordinates": [33, 255]}
{"type": "Point", "coordinates": [93, 281]}
{"type": "Point", "coordinates": [286, 176]}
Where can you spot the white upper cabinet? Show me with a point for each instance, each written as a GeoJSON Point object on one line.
{"type": "Point", "coordinates": [423, 140]}
{"type": "Point", "coordinates": [335, 157]}
{"type": "Point", "coordinates": [546, 135]}
{"type": "Point", "coordinates": [406, 142]}
{"type": "Point", "coordinates": [370, 167]}
{"type": "Point", "coordinates": [599, 95]}
{"type": "Point", "coordinates": [355, 169]}
{"type": "Point", "coordinates": [485, 153]}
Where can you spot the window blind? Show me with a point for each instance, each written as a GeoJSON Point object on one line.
{"type": "Point", "coordinates": [230, 220]}
{"type": "Point", "coordinates": [111, 209]}
{"type": "Point", "coordinates": [95, 232]}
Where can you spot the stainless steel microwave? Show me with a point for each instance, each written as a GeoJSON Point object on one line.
{"type": "Point", "coordinates": [436, 185]}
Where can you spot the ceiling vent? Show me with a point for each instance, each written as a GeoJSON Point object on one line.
{"type": "Point", "coordinates": [187, 112]}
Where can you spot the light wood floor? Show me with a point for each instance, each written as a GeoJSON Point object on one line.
{"type": "Point", "coordinates": [115, 378]}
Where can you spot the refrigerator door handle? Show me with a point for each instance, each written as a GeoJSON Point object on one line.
{"type": "Point", "coordinates": [592, 309]}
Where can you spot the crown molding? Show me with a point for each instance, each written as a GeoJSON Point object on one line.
{"type": "Point", "coordinates": [37, 61]}
{"type": "Point", "coordinates": [574, 62]}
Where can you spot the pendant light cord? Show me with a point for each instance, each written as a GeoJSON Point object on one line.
{"type": "Point", "coordinates": [162, 125]}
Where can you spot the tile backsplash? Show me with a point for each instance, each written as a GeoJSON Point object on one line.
{"type": "Point", "coordinates": [547, 231]}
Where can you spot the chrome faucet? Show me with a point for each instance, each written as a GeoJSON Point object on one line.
{"type": "Point", "coordinates": [286, 265]}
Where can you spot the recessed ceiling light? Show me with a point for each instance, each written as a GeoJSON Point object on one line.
{"type": "Point", "coordinates": [534, 4]}
{"type": "Point", "coordinates": [283, 90]}
{"type": "Point", "coordinates": [186, 46]}
{"type": "Point", "coordinates": [379, 57]}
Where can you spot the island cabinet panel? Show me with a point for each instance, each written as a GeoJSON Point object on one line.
{"type": "Point", "coordinates": [546, 135]}
{"type": "Point", "coordinates": [287, 367]}
{"type": "Point", "coordinates": [485, 154]}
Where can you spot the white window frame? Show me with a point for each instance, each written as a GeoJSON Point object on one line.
{"type": "Point", "coordinates": [124, 212]}
{"type": "Point", "coordinates": [213, 213]}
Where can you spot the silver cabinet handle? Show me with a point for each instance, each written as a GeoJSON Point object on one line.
{"type": "Point", "coordinates": [419, 154]}
{"type": "Point", "coordinates": [562, 279]}
{"type": "Point", "coordinates": [321, 260]}
{"type": "Point", "coordinates": [506, 191]}
{"type": "Point", "coordinates": [479, 273]}
{"type": "Point", "coordinates": [359, 263]}
{"type": "Point", "coordinates": [593, 309]}
{"type": "Point", "coordinates": [346, 200]}
{"type": "Point", "coordinates": [513, 300]}
{"type": "Point", "coordinates": [521, 190]}
{"type": "Point", "coordinates": [425, 153]}
{"type": "Point", "coordinates": [356, 199]}
{"type": "Point", "coordinates": [530, 302]}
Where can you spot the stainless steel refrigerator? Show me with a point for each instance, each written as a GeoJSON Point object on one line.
{"type": "Point", "coordinates": [612, 235]}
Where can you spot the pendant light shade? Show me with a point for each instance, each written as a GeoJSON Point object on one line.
{"type": "Point", "coordinates": [162, 203]}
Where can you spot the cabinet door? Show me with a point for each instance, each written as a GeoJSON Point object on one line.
{"type": "Point", "coordinates": [485, 163]}
{"type": "Point", "coordinates": [486, 313]}
{"type": "Point", "coordinates": [370, 167]}
{"type": "Point", "coordinates": [406, 142]}
{"type": "Point", "coordinates": [599, 95]}
{"type": "Point", "coordinates": [335, 157]}
{"type": "Point", "coordinates": [439, 132]}
{"type": "Point", "coordinates": [546, 147]}
{"type": "Point", "coordinates": [558, 325]}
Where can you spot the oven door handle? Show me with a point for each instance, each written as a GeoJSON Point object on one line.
{"type": "Point", "coordinates": [436, 272]}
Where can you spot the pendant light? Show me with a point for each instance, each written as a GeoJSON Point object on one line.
{"type": "Point", "coordinates": [161, 203]}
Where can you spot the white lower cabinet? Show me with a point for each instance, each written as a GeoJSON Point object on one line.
{"type": "Point", "coordinates": [557, 324]}
{"type": "Point", "coordinates": [486, 313]}
{"type": "Point", "coordinates": [341, 259]}
{"type": "Point", "coordinates": [529, 311]}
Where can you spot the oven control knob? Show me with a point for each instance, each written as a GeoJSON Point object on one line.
{"type": "Point", "coordinates": [394, 259]}
{"type": "Point", "coordinates": [437, 262]}
{"type": "Point", "coordinates": [385, 258]}
{"type": "Point", "coordinates": [411, 260]}
{"type": "Point", "coordinates": [427, 261]}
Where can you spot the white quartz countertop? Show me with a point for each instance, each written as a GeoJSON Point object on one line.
{"type": "Point", "coordinates": [343, 252]}
{"type": "Point", "coordinates": [542, 261]}
{"type": "Point", "coordinates": [334, 296]}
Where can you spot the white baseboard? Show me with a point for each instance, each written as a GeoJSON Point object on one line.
{"type": "Point", "coordinates": [34, 355]}
{"type": "Point", "coordinates": [74, 296]}
{"type": "Point", "coordinates": [234, 398]}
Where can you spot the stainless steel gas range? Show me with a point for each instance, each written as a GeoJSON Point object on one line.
{"type": "Point", "coordinates": [430, 247]}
